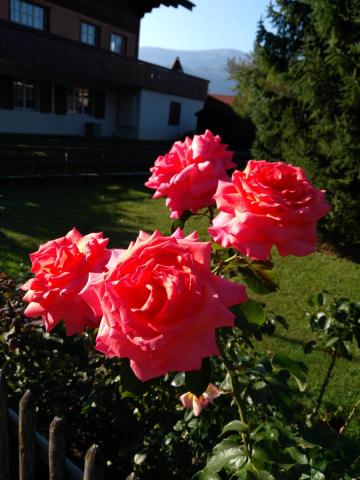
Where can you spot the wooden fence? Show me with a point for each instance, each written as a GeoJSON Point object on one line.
{"type": "Point", "coordinates": [33, 447]}
{"type": "Point", "coordinates": [27, 160]}
{"type": "Point", "coordinates": [36, 161]}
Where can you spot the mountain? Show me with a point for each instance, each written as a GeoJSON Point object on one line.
{"type": "Point", "coordinates": [209, 64]}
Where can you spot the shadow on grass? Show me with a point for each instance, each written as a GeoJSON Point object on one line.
{"type": "Point", "coordinates": [33, 214]}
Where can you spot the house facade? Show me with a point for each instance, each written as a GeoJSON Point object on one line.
{"type": "Point", "coordinates": [71, 67]}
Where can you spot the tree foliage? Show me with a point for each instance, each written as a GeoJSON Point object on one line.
{"type": "Point", "coordinates": [302, 91]}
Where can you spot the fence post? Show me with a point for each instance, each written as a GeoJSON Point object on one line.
{"type": "Point", "coordinates": [4, 433]}
{"type": "Point", "coordinates": [94, 464]}
{"type": "Point", "coordinates": [27, 438]}
{"type": "Point", "coordinates": [56, 449]}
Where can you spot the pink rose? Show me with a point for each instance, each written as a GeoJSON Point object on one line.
{"type": "Point", "coordinates": [189, 400]}
{"type": "Point", "coordinates": [161, 304]}
{"type": "Point", "coordinates": [61, 269]}
{"type": "Point", "coordinates": [268, 204]}
{"type": "Point", "coordinates": [188, 175]}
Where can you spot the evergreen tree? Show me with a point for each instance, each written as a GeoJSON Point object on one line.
{"type": "Point", "coordinates": [302, 91]}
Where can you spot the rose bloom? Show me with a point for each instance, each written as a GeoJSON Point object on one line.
{"type": "Point", "coordinates": [61, 268]}
{"type": "Point", "coordinates": [161, 305]}
{"type": "Point", "coordinates": [268, 204]}
{"type": "Point", "coordinates": [189, 400]}
{"type": "Point", "coordinates": [188, 175]}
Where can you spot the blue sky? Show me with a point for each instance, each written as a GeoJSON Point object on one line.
{"type": "Point", "coordinates": [212, 24]}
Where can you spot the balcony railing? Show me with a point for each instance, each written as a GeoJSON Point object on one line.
{"type": "Point", "coordinates": [67, 58]}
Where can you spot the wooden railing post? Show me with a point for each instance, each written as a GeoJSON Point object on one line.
{"type": "Point", "coordinates": [56, 449]}
{"type": "Point", "coordinates": [4, 432]}
{"type": "Point", "coordinates": [94, 464]}
{"type": "Point", "coordinates": [27, 438]}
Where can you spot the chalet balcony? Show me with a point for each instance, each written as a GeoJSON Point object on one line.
{"type": "Point", "coordinates": [73, 60]}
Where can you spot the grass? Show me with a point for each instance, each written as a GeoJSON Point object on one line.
{"type": "Point", "coordinates": [33, 214]}
{"type": "Point", "coordinates": [301, 278]}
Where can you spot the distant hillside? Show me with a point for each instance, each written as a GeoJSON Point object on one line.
{"type": "Point", "coordinates": [209, 64]}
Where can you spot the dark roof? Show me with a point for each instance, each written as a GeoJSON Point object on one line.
{"type": "Point", "coordinates": [148, 5]}
{"type": "Point", "coordinates": [217, 107]}
{"type": "Point", "coordinates": [228, 99]}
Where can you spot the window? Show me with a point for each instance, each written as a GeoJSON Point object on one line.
{"type": "Point", "coordinates": [27, 14]}
{"type": "Point", "coordinates": [89, 33]}
{"type": "Point", "coordinates": [24, 94]}
{"type": "Point", "coordinates": [174, 113]}
{"type": "Point", "coordinates": [117, 43]}
{"type": "Point", "coordinates": [78, 101]}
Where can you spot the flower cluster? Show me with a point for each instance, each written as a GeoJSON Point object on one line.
{"type": "Point", "coordinates": [158, 302]}
{"type": "Point", "coordinates": [266, 204]}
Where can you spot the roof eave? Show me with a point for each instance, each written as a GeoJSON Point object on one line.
{"type": "Point", "coordinates": [168, 3]}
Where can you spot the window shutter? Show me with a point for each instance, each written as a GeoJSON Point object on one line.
{"type": "Point", "coordinates": [99, 104]}
{"type": "Point", "coordinates": [45, 97]}
{"type": "Point", "coordinates": [6, 92]}
{"type": "Point", "coordinates": [60, 99]}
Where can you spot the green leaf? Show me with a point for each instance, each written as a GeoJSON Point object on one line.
{"type": "Point", "coordinates": [266, 433]}
{"type": "Point", "coordinates": [179, 426]}
{"type": "Point", "coordinates": [226, 385]}
{"type": "Point", "coordinates": [178, 380]}
{"type": "Point", "coordinates": [264, 475]}
{"type": "Point", "coordinates": [297, 455]}
{"type": "Point", "coordinates": [197, 381]}
{"type": "Point", "coordinates": [260, 455]}
{"type": "Point", "coordinates": [229, 442]}
{"type": "Point", "coordinates": [216, 247]}
{"type": "Point", "coordinates": [331, 341]}
{"type": "Point", "coordinates": [221, 459]}
{"type": "Point", "coordinates": [257, 474]}
{"type": "Point", "coordinates": [126, 394]}
{"type": "Point", "coordinates": [260, 279]}
{"type": "Point", "coordinates": [297, 369]}
{"type": "Point", "coordinates": [206, 475]}
{"type": "Point", "coordinates": [235, 425]}
{"type": "Point", "coordinates": [251, 311]}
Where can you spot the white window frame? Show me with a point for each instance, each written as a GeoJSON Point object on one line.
{"type": "Point", "coordinates": [23, 85]}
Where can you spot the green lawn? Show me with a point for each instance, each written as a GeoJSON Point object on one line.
{"type": "Point", "coordinates": [34, 214]}
{"type": "Point", "coordinates": [299, 279]}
